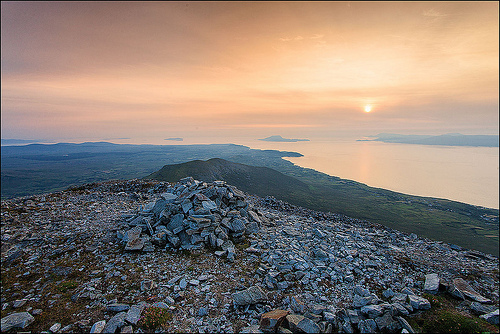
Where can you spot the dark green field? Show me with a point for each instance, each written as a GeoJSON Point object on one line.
{"type": "Point", "coordinates": [34, 169]}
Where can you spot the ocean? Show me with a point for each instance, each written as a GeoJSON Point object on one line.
{"type": "Point", "coordinates": [464, 174]}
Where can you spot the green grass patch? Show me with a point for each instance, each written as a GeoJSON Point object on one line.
{"type": "Point", "coordinates": [444, 317]}
{"type": "Point", "coordinates": [154, 318]}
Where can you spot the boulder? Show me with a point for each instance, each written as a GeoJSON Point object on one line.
{"type": "Point", "coordinates": [431, 284]}
{"type": "Point", "coordinates": [252, 295]}
{"type": "Point", "coordinates": [16, 320]}
{"type": "Point", "coordinates": [134, 313]}
{"type": "Point", "coordinates": [116, 322]}
{"type": "Point", "coordinates": [270, 321]}
{"type": "Point", "coordinates": [419, 303]}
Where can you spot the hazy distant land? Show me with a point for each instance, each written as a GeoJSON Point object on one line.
{"type": "Point", "coordinates": [19, 141]}
{"type": "Point", "coordinates": [278, 138]}
{"type": "Point", "coordinates": [175, 139]}
{"type": "Point", "coordinates": [449, 139]}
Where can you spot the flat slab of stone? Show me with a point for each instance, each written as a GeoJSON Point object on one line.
{"type": "Point", "coordinates": [464, 287]}
{"type": "Point", "coordinates": [431, 284]}
{"type": "Point", "coordinates": [16, 320]}
{"type": "Point", "coordinates": [252, 295]}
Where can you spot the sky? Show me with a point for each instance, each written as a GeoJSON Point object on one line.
{"type": "Point", "coordinates": [103, 70]}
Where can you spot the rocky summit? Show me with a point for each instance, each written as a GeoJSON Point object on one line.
{"type": "Point", "coordinates": [142, 256]}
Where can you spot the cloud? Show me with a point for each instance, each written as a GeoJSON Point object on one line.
{"type": "Point", "coordinates": [433, 13]}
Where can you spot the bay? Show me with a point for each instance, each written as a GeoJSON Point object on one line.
{"type": "Point", "coordinates": [464, 174]}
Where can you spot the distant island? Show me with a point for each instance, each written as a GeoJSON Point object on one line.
{"type": "Point", "coordinates": [449, 139]}
{"type": "Point", "coordinates": [174, 139]}
{"type": "Point", "coordinates": [281, 139]}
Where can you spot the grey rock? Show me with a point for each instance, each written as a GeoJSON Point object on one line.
{"type": "Point", "coordinates": [174, 240]}
{"type": "Point", "coordinates": [202, 311]}
{"type": "Point", "coordinates": [479, 308]}
{"type": "Point", "coordinates": [19, 303]}
{"type": "Point", "coordinates": [98, 327]}
{"type": "Point", "coordinates": [299, 323]}
{"type": "Point", "coordinates": [67, 329]}
{"type": "Point", "coordinates": [297, 304]}
{"type": "Point", "coordinates": [251, 329]}
{"type": "Point", "coordinates": [431, 284]}
{"type": "Point", "coordinates": [405, 325]}
{"type": "Point", "coordinates": [462, 286]}
{"type": "Point", "coordinates": [491, 317]}
{"type": "Point", "coordinates": [135, 244]}
{"type": "Point", "coordinates": [407, 291]}
{"type": "Point", "coordinates": [399, 309]}
{"type": "Point", "coordinates": [127, 330]}
{"type": "Point", "coordinates": [115, 322]}
{"type": "Point", "coordinates": [183, 283]}
{"type": "Point", "coordinates": [367, 326]}
{"type": "Point", "coordinates": [388, 293]}
{"type": "Point", "coordinates": [16, 320]}
{"type": "Point", "coordinates": [117, 307]}
{"type": "Point", "coordinates": [360, 291]}
{"type": "Point", "coordinates": [134, 313]}
{"type": "Point", "coordinates": [252, 295]}
{"type": "Point", "coordinates": [176, 222]}
{"type": "Point", "coordinates": [55, 327]}
{"type": "Point", "coordinates": [419, 303]}
{"type": "Point", "coordinates": [252, 227]}
{"type": "Point", "coordinates": [359, 301]}
{"type": "Point", "coordinates": [387, 323]}
{"type": "Point", "coordinates": [160, 305]}
{"type": "Point", "coordinates": [209, 205]}
{"type": "Point", "coordinates": [372, 311]}
{"type": "Point", "coordinates": [147, 285]}
{"type": "Point", "coordinates": [237, 226]}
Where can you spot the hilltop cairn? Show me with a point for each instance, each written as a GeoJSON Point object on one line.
{"type": "Point", "coordinates": [193, 215]}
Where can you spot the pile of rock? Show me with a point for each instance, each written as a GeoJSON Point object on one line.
{"type": "Point", "coordinates": [193, 215]}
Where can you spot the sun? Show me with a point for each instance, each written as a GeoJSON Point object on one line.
{"type": "Point", "coordinates": [368, 108]}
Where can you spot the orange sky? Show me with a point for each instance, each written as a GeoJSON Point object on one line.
{"type": "Point", "coordinates": [300, 69]}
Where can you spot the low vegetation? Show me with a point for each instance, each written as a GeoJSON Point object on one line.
{"type": "Point", "coordinates": [446, 318]}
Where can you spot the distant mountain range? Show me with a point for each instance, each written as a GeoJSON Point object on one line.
{"type": "Point", "coordinates": [450, 139]}
{"type": "Point", "coordinates": [281, 139]}
{"type": "Point", "coordinates": [18, 141]}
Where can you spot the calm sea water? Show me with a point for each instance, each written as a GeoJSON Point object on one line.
{"type": "Point", "coordinates": [464, 174]}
